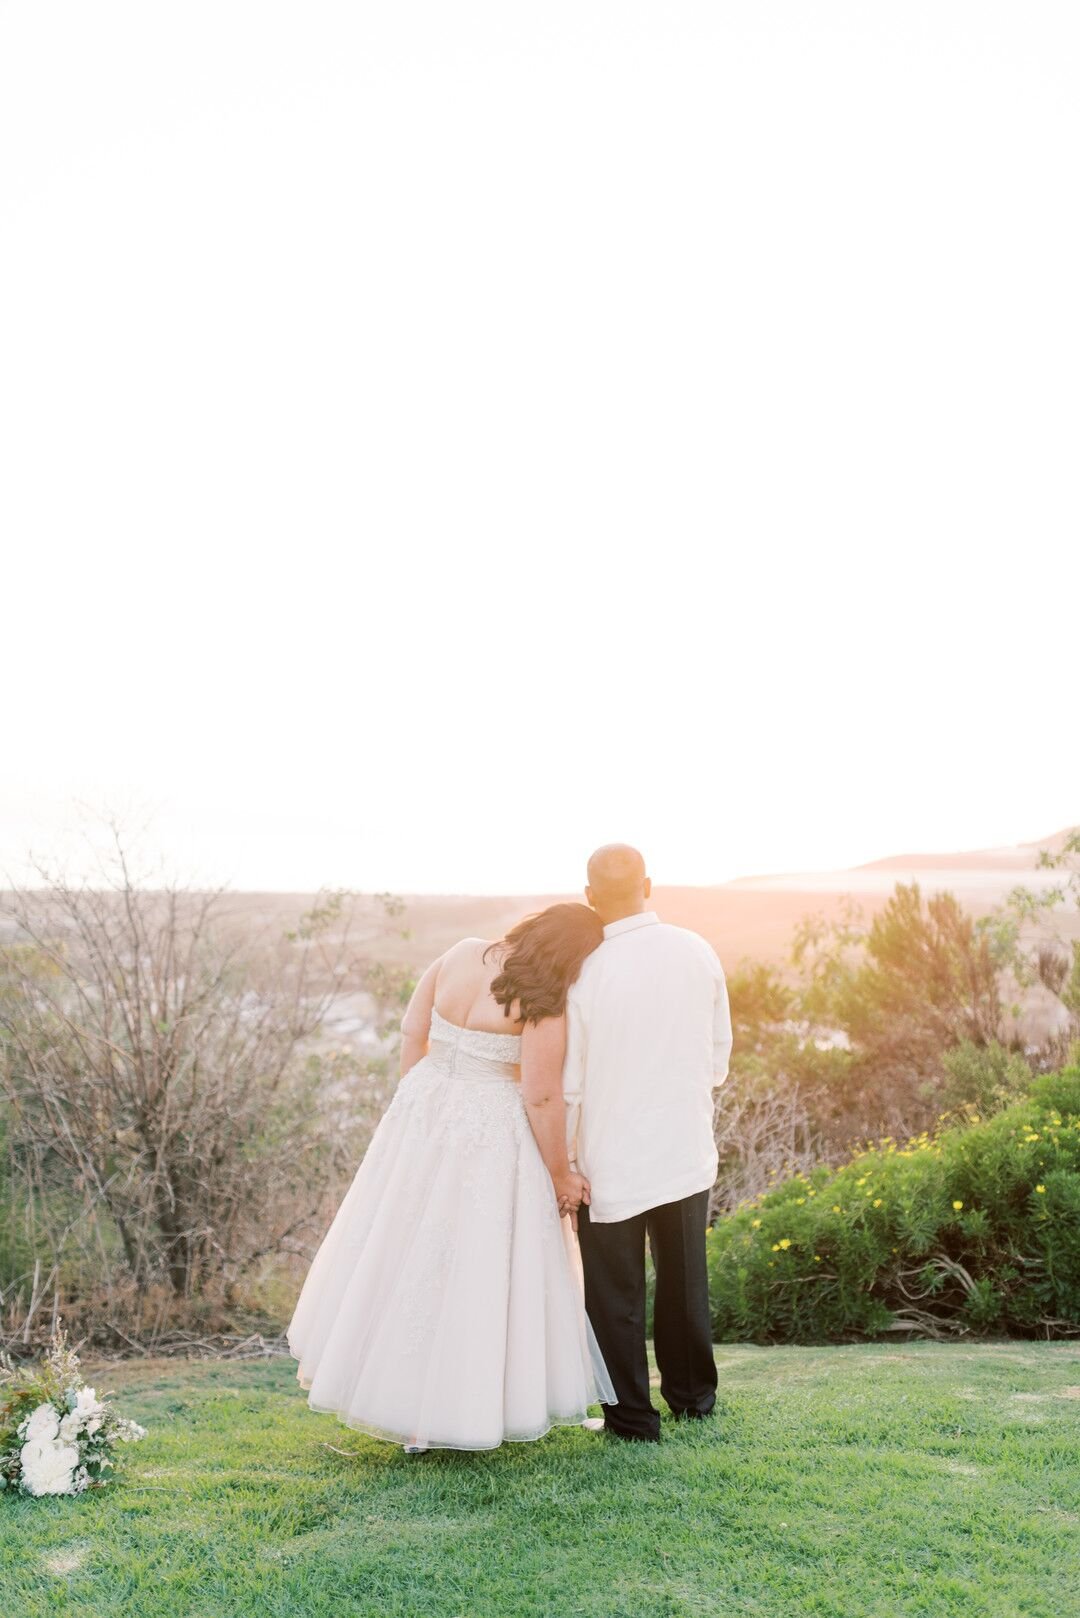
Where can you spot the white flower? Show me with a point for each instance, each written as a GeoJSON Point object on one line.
{"type": "Point", "coordinates": [87, 1403]}
{"type": "Point", "coordinates": [92, 1426]}
{"type": "Point", "coordinates": [48, 1466]}
{"type": "Point", "coordinates": [42, 1423]}
{"type": "Point", "coordinates": [69, 1426]}
{"type": "Point", "coordinates": [129, 1432]}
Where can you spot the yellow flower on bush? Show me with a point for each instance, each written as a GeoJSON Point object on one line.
{"type": "Point", "coordinates": [958, 1206]}
{"type": "Point", "coordinates": [784, 1243]}
{"type": "Point", "coordinates": [878, 1201]}
{"type": "Point", "coordinates": [836, 1208]}
{"type": "Point", "coordinates": [755, 1224]}
{"type": "Point", "coordinates": [1041, 1189]}
{"type": "Point", "coordinates": [799, 1201]}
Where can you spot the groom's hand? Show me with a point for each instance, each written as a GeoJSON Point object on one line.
{"type": "Point", "coordinates": [571, 1190]}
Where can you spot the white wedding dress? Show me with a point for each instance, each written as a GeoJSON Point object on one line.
{"type": "Point", "coordinates": [445, 1309]}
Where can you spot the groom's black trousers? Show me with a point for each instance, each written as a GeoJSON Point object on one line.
{"type": "Point", "coordinates": [613, 1258]}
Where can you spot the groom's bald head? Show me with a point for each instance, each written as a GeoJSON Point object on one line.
{"type": "Point", "coordinates": [618, 885]}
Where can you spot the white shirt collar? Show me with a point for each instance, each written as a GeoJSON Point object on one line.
{"type": "Point", "coordinates": [647, 918]}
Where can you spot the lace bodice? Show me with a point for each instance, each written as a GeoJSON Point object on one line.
{"type": "Point", "coordinates": [471, 1053]}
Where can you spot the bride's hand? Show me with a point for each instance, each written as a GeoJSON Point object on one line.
{"type": "Point", "coordinates": [571, 1190]}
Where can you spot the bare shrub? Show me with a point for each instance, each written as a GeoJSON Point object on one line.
{"type": "Point", "coordinates": [762, 1134]}
{"type": "Point", "coordinates": [168, 1118]}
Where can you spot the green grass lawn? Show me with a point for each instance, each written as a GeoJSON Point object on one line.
{"type": "Point", "coordinates": [844, 1482]}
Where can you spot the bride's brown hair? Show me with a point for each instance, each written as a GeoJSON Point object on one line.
{"type": "Point", "coordinates": [541, 957]}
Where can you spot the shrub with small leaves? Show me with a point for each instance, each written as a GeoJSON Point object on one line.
{"type": "Point", "coordinates": [974, 1227]}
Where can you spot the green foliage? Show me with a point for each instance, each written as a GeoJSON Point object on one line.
{"type": "Point", "coordinates": [759, 998]}
{"type": "Point", "coordinates": [22, 1387]}
{"type": "Point", "coordinates": [986, 1077]}
{"type": "Point", "coordinates": [930, 975]}
{"type": "Point", "coordinates": [326, 913]}
{"type": "Point", "coordinates": [921, 980]}
{"type": "Point", "coordinates": [774, 1046]}
{"type": "Point", "coordinates": [881, 1027]}
{"type": "Point", "coordinates": [878, 1029]}
{"type": "Point", "coordinates": [976, 1228]}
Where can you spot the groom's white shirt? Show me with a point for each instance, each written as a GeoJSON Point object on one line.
{"type": "Point", "coordinates": [648, 1040]}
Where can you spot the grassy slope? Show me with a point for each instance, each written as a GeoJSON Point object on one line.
{"type": "Point", "coordinates": [846, 1481]}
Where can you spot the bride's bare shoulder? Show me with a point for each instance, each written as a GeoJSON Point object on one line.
{"type": "Point", "coordinates": [468, 947]}
{"type": "Point", "coordinates": [465, 960]}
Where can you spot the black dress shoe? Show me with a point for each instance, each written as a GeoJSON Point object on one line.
{"type": "Point", "coordinates": [632, 1438]}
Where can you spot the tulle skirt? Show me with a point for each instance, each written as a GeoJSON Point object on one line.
{"type": "Point", "coordinates": [444, 1308]}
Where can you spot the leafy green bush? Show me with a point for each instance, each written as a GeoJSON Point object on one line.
{"type": "Point", "coordinates": [987, 1077]}
{"type": "Point", "coordinates": [924, 977]}
{"type": "Point", "coordinates": [974, 1229]}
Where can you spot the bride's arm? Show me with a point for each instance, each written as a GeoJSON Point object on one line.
{"type": "Point", "coordinates": [416, 1023]}
{"type": "Point", "coordinates": [543, 1047]}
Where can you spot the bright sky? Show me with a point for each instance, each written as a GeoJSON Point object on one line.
{"type": "Point", "coordinates": [442, 437]}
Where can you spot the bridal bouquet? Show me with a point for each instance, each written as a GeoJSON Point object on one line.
{"type": "Point", "coordinates": [56, 1435]}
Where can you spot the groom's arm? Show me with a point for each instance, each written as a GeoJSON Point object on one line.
{"type": "Point", "coordinates": [573, 1075]}
{"type": "Point", "coordinates": [722, 1038]}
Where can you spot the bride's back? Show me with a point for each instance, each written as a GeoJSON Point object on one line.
{"type": "Point", "coordinates": [463, 989]}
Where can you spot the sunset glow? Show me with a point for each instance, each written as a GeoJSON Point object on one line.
{"type": "Point", "coordinates": [442, 439]}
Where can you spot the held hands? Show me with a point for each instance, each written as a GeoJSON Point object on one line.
{"type": "Point", "coordinates": [571, 1190]}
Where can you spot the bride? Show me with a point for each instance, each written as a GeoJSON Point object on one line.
{"type": "Point", "coordinates": [444, 1307]}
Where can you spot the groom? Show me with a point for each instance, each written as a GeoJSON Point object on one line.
{"type": "Point", "coordinates": [648, 1039]}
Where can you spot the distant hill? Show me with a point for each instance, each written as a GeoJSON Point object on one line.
{"type": "Point", "coordinates": [1019, 858]}
{"type": "Point", "coordinates": [757, 915]}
